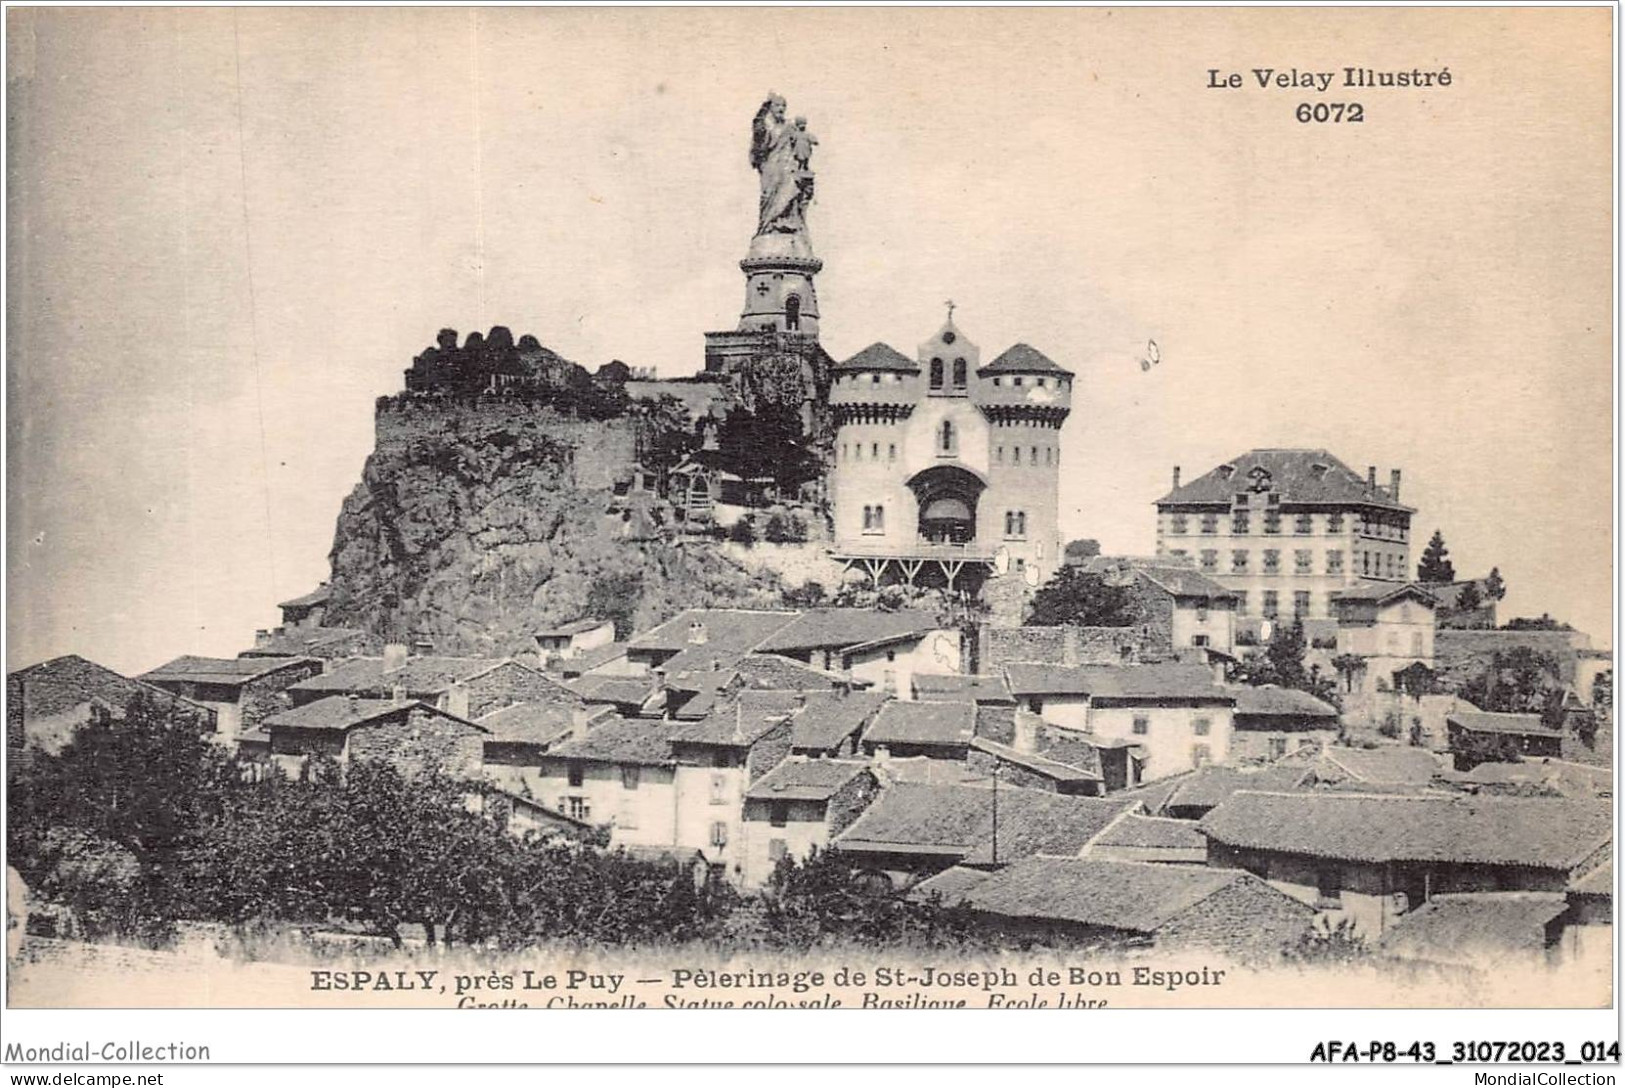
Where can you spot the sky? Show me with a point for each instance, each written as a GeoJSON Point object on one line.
{"type": "Point", "coordinates": [230, 231]}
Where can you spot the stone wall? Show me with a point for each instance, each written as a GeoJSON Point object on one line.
{"type": "Point", "coordinates": [1001, 646]}
{"type": "Point", "coordinates": [422, 741]}
{"type": "Point", "coordinates": [511, 683]}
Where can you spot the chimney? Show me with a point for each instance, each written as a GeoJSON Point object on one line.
{"type": "Point", "coordinates": [398, 693]}
{"type": "Point", "coordinates": [696, 634]}
{"type": "Point", "coordinates": [1176, 477]}
{"type": "Point", "coordinates": [261, 637]}
{"type": "Point", "coordinates": [1026, 731]}
{"type": "Point", "coordinates": [1393, 485]}
{"type": "Point", "coordinates": [580, 720]}
{"type": "Point", "coordinates": [394, 656]}
{"type": "Point", "coordinates": [1371, 478]}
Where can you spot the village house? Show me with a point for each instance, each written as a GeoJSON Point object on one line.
{"type": "Point", "coordinates": [1183, 608]}
{"type": "Point", "coordinates": [1536, 777]}
{"type": "Point", "coordinates": [1511, 929]}
{"type": "Point", "coordinates": [1285, 529]}
{"type": "Point", "coordinates": [468, 687]}
{"type": "Point", "coordinates": [829, 723]}
{"type": "Point", "coordinates": [48, 702]}
{"type": "Point", "coordinates": [1477, 736]}
{"type": "Point", "coordinates": [1271, 721]}
{"type": "Point", "coordinates": [934, 730]}
{"type": "Point", "coordinates": [520, 734]}
{"type": "Point", "coordinates": [603, 659]}
{"type": "Point", "coordinates": [325, 643]}
{"type": "Point", "coordinates": [1387, 629]}
{"type": "Point", "coordinates": [626, 695]}
{"type": "Point", "coordinates": [882, 648]}
{"type": "Point", "coordinates": [798, 807]}
{"type": "Point", "coordinates": [913, 830]}
{"type": "Point", "coordinates": [718, 758]}
{"type": "Point", "coordinates": [1091, 901]}
{"type": "Point", "coordinates": [1024, 750]}
{"type": "Point", "coordinates": [1173, 715]}
{"type": "Point", "coordinates": [1375, 857]}
{"type": "Point", "coordinates": [242, 692]}
{"type": "Point", "coordinates": [556, 644]}
{"type": "Point", "coordinates": [621, 773]}
{"type": "Point", "coordinates": [413, 737]}
{"type": "Point", "coordinates": [705, 637]}
{"type": "Point", "coordinates": [307, 611]}
{"type": "Point", "coordinates": [523, 815]}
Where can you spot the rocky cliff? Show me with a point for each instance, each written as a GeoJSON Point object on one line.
{"type": "Point", "coordinates": [480, 520]}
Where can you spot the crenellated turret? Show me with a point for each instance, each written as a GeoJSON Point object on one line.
{"type": "Point", "coordinates": [1023, 384]}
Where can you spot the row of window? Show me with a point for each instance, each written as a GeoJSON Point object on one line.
{"type": "Point", "coordinates": [853, 451]}
{"type": "Point", "coordinates": [1142, 726]}
{"type": "Point", "coordinates": [576, 775]}
{"type": "Point", "coordinates": [939, 373]}
{"type": "Point", "coordinates": [1303, 560]}
{"type": "Point", "coordinates": [1302, 525]}
{"type": "Point", "coordinates": [1032, 455]}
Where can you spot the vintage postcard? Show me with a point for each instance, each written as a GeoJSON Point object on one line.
{"type": "Point", "coordinates": [909, 509]}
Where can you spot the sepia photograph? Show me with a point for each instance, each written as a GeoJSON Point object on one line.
{"type": "Point", "coordinates": [810, 508]}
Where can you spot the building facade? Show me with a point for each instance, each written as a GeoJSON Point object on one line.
{"type": "Point", "coordinates": [947, 470]}
{"type": "Point", "coordinates": [1287, 528]}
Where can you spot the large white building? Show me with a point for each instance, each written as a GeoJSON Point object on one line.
{"type": "Point", "coordinates": [1287, 529]}
{"type": "Point", "coordinates": [947, 469]}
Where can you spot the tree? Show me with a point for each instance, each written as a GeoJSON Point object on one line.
{"type": "Point", "coordinates": [615, 597]}
{"type": "Point", "coordinates": [1602, 691]}
{"type": "Point", "coordinates": [1543, 622]}
{"type": "Point", "coordinates": [807, 903]}
{"type": "Point", "coordinates": [1435, 566]}
{"type": "Point", "coordinates": [1494, 587]}
{"type": "Point", "coordinates": [1080, 551]}
{"type": "Point", "coordinates": [1519, 680]}
{"type": "Point", "coordinates": [1469, 600]}
{"type": "Point", "coordinates": [1073, 598]}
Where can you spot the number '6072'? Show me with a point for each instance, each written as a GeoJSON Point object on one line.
{"type": "Point", "coordinates": [1330, 112]}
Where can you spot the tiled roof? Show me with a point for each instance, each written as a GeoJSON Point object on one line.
{"type": "Point", "coordinates": [576, 627]}
{"type": "Point", "coordinates": [587, 660]}
{"type": "Point", "coordinates": [957, 820]}
{"type": "Point", "coordinates": [1549, 833]}
{"type": "Point", "coordinates": [340, 712]}
{"type": "Point", "coordinates": [1571, 779]}
{"type": "Point", "coordinates": [879, 356]}
{"type": "Point", "coordinates": [1480, 721]}
{"type": "Point", "coordinates": [698, 659]}
{"type": "Point", "coordinates": [742, 720]}
{"type": "Point", "coordinates": [775, 673]}
{"type": "Point", "coordinates": [806, 780]}
{"type": "Point", "coordinates": [618, 690]}
{"type": "Point", "coordinates": [1153, 832]}
{"type": "Point", "coordinates": [830, 717]}
{"type": "Point", "coordinates": [419, 676]}
{"type": "Point", "coordinates": [1293, 476]}
{"type": "Point", "coordinates": [1053, 769]}
{"type": "Point", "coordinates": [531, 723]}
{"type": "Point", "coordinates": [1384, 766]}
{"type": "Point", "coordinates": [734, 630]}
{"type": "Point", "coordinates": [320, 595]}
{"type": "Point", "coordinates": [1023, 359]}
{"type": "Point", "coordinates": [639, 741]}
{"type": "Point", "coordinates": [1271, 701]}
{"type": "Point", "coordinates": [1179, 579]}
{"type": "Point", "coordinates": [955, 687]}
{"type": "Point", "coordinates": [842, 628]}
{"type": "Point", "coordinates": [228, 671]}
{"type": "Point", "coordinates": [1599, 881]}
{"type": "Point", "coordinates": [1384, 591]}
{"type": "Point", "coordinates": [1481, 921]}
{"type": "Point", "coordinates": [1116, 682]}
{"type": "Point", "coordinates": [63, 683]}
{"type": "Point", "coordinates": [952, 724]}
{"type": "Point", "coordinates": [1211, 786]}
{"type": "Point", "coordinates": [1124, 895]}
{"type": "Point", "coordinates": [949, 885]}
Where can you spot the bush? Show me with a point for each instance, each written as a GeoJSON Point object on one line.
{"type": "Point", "coordinates": [784, 529]}
{"type": "Point", "coordinates": [742, 532]}
{"type": "Point", "coordinates": [1329, 943]}
{"type": "Point", "coordinates": [1390, 726]}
